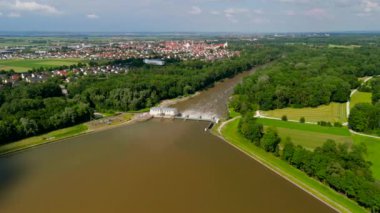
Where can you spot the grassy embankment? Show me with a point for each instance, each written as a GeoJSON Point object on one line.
{"type": "Point", "coordinates": [334, 112]}
{"type": "Point", "coordinates": [360, 97]}
{"type": "Point", "coordinates": [23, 65]}
{"type": "Point", "coordinates": [92, 126]}
{"type": "Point", "coordinates": [323, 192]}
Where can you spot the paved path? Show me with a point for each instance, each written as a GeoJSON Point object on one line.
{"type": "Point", "coordinates": [225, 123]}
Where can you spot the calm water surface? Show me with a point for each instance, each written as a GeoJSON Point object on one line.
{"type": "Point", "coordinates": [155, 166]}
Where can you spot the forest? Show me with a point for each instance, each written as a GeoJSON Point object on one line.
{"type": "Point", "coordinates": [307, 76]}
{"type": "Point", "coordinates": [31, 109]}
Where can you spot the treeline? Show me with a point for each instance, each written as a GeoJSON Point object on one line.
{"type": "Point", "coordinates": [365, 117]}
{"type": "Point", "coordinates": [32, 109]}
{"type": "Point", "coordinates": [307, 77]}
{"type": "Point", "coordinates": [144, 87]}
{"type": "Point", "coordinates": [341, 167]}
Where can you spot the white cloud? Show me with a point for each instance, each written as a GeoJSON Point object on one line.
{"type": "Point", "coordinates": [369, 6]}
{"type": "Point", "coordinates": [14, 15]}
{"type": "Point", "coordinates": [231, 13]}
{"type": "Point", "coordinates": [29, 6]}
{"type": "Point", "coordinates": [92, 16]}
{"type": "Point", "coordinates": [195, 10]}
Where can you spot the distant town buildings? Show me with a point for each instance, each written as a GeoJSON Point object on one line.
{"type": "Point", "coordinates": [184, 50]}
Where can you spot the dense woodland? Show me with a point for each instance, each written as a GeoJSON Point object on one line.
{"type": "Point", "coordinates": [31, 109]}
{"type": "Point", "coordinates": [308, 76]}
{"type": "Point", "coordinates": [342, 168]}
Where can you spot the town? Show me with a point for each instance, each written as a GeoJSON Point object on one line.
{"type": "Point", "coordinates": [183, 50]}
{"type": "Point", "coordinates": [150, 52]}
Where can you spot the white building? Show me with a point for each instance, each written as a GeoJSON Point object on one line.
{"type": "Point", "coordinates": [157, 62]}
{"type": "Point", "coordinates": [163, 111]}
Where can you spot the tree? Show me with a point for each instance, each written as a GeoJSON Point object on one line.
{"type": "Point", "coordinates": [251, 129]}
{"type": "Point", "coordinates": [302, 120]}
{"type": "Point", "coordinates": [270, 140]}
{"type": "Point", "coordinates": [288, 151]}
{"type": "Point", "coordinates": [284, 118]}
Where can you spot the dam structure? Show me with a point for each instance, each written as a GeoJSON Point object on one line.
{"type": "Point", "coordinates": [173, 113]}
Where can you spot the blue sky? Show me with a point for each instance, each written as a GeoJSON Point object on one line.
{"type": "Point", "coordinates": [190, 15]}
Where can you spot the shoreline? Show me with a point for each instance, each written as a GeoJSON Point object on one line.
{"type": "Point", "coordinates": [284, 174]}
{"type": "Point", "coordinates": [87, 132]}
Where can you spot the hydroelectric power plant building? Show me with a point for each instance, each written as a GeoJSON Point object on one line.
{"type": "Point", "coordinates": [163, 111]}
{"type": "Point", "coordinates": [156, 62]}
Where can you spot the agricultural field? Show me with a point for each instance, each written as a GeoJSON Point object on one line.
{"type": "Point", "coordinates": [360, 97]}
{"type": "Point", "coordinates": [334, 112]}
{"type": "Point", "coordinates": [23, 65]}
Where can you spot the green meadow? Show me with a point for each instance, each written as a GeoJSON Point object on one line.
{"type": "Point", "coordinates": [334, 112]}
{"type": "Point", "coordinates": [23, 65]}
{"type": "Point", "coordinates": [360, 97]}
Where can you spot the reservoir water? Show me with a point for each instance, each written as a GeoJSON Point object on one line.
{"type": "Point", "coordinates": [154, 166]}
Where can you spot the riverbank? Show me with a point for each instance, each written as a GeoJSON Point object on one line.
{"type": "Point", "coordinates": [229, 133]}
{"type": "Point", "coordinates": [71, 132]}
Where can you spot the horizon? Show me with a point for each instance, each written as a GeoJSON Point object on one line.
{"type": "Point", "coordinates": [257, 16]}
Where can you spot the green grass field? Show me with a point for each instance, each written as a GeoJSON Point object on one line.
{"type": "Point", "coordinates": [42, 139]}
{"type": "Point", "coordinates": [21, 65]}
{"type": "Point", "coordinates": [360, 97]}
{"type": "Point", "coordinates": [339, 201]}
{"type": "Point", "coordinates": [310, 140]}
{"type": "Point", "coordinates": [308, 135]}
{"type": "Point", "coordinates": [305, 127]}
{"type": "Point", "coordinates": [344, 46]}
{"type": "Point", "coordinates": [334, 112]}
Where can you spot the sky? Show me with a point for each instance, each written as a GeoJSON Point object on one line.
{"type": "Point", "coordinates": [252, 16]}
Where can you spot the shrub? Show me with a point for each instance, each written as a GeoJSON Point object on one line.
{"type": "Point", "coordinates": [302, 120]}
{"type": "Point", "coordinates": [284, 118]}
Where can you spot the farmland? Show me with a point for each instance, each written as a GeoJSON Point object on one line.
{"type": "Point", "coordinates": [23, 65]}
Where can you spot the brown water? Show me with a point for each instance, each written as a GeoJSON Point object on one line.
{"type": "Point", "coordinates": [155, 166]}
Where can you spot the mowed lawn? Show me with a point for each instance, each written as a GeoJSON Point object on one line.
{"type": "Point", "coordinates": [334, 112]}
{"type": "Point", "coordinates": [308, 135]}
{"type": "Point", "coordinates": [360, 97]}
{"type": "Point", "coordinates": [23, 65]}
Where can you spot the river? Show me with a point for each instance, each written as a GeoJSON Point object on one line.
{"type": "Point", "coordinates": [155, 166]}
